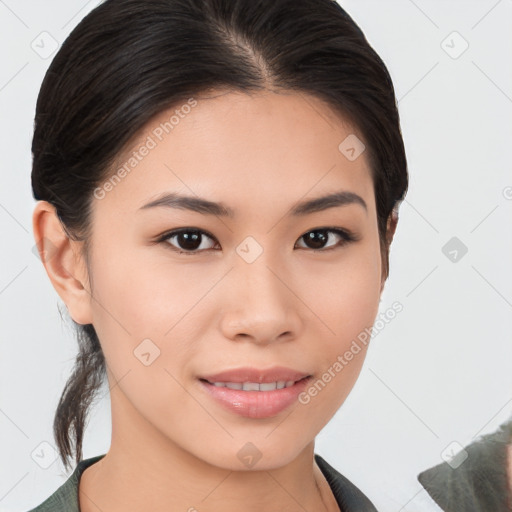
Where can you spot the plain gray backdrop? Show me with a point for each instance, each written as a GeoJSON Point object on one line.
{"type": "Point", "coordinates": [436, 377]}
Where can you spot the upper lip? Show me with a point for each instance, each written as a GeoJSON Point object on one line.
{"type": "Point", "coordinates": [249, 374]}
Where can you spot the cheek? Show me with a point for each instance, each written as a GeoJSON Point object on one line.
{"type": "Point", "coordinates": [138, 298]}
{"type": "Point", "coordinates": [341, 357]}
{"type": "Point", "coordinates": [345, 293]}
{"type": "Point", "coordinates": [142, 295]}
{"type": "Point", "coordinates": [345, 299]}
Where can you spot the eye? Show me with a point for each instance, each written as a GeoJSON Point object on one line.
{"type": "Point", "coordinates": [318, 238]}
{"type": "Point", "coordinates": [192, 240]}
{"type": "Point", "coordinates": [189, 239]}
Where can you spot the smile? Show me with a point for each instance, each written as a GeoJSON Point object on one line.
{"type": "Point", "coordinates": [255, 400]}
{"type": "Point", "coordinates": [254, 386]}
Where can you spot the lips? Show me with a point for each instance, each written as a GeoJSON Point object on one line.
{"type": "Point", "coordinates": [255, 393]}
{"type": "Point", "coordinates": [255, 375]}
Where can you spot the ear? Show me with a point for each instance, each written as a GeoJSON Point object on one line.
{"type": "Point", "coordinates": [63, 262]}
{"type": "Point", "coordinates": [391, 226]}
{"type": "Point", "coordinates": [390, 233]}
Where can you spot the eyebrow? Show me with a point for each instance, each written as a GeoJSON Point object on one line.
{"type": "Point", "coordinates": [204, 206]}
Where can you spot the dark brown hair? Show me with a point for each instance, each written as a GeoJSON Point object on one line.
{"type": "Point", "coordinates": [128, 60]}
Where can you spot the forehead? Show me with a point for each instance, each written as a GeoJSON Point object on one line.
{"type": "Point", "coordinates": [243, 150]}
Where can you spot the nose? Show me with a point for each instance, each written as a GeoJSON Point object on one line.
{"type": "Point", "coordinates": [261, 305]}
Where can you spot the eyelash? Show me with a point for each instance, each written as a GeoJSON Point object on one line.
{"type": "Point", "coordinates": [346, 238]}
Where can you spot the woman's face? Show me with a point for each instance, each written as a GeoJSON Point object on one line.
{"type": "Point", "coordinates": [261, 287]}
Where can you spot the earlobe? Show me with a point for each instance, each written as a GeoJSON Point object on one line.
{"type": "Point", "coordinates": [63, 262]}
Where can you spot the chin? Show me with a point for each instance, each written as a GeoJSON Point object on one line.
{"type": "Point", "coordinates": [258, 453]}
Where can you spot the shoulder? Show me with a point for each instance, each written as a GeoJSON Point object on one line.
{"type": "Point", "coordinates": [475, 479]}
{"type": "Point", "coordinates": [65, 498]}
{"type": "Point", "coordinates": [348, 496]}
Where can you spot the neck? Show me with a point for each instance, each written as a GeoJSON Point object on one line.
{"type": "Point", "coordinates": [143, 470]}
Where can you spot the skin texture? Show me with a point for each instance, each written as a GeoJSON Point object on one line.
{"type": "Point", "coordinates": [172, 447]}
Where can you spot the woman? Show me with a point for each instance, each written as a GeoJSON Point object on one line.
{"type": "Point", "coordinates": [218, 184]}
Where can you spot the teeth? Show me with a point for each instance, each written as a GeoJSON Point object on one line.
{"type": "Point", "coordinates": [254, 386]}
{"type": "Point", "coordinates": [234, 385]}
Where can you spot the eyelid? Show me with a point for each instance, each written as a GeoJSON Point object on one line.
{"type": "Point", "coordinates": [347, 236]}
{"type": "Point", "coordinates": [164, 237]}
{"type": "Point", "coordinates": [177, 231]}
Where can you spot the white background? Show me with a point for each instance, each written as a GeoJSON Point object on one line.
{"type": "Point", "coordinates": [439, 372]}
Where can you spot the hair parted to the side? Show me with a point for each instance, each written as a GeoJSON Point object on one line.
{"type": "Point", "coordinates": [129, 60]}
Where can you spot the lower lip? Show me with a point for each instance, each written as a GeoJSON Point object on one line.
{"type": "Point", "coordinates": [256, 404]}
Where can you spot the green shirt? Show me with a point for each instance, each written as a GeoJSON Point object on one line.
{"type": "Point", "coordinates": [348, 496]}
{"type": "Point", "coordinates": [480, 482]}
